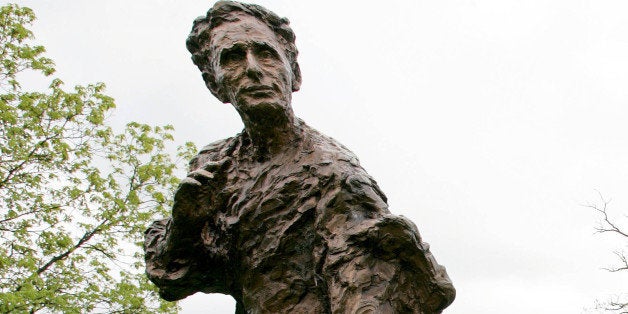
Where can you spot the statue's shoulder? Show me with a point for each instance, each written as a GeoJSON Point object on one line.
{"type": "Point", "coordinates": [217, 150]}
{"type": "Point", "coordinates": [325, 148]}
{"type": "Point", "coordinates": [328, 152]}
{"type": "Point", "coordinates": [333, 160]}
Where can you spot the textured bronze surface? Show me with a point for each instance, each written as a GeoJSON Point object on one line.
{"type": "Point", "coordinates": [280, 216]}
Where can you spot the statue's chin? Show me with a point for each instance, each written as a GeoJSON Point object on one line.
{"type": "Point", "coordinates": [265, 112]}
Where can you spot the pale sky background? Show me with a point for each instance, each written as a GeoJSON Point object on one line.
{"type": "Point", "coordinates": [488, 123]}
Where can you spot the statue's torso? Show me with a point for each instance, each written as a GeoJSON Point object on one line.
{"type": "Point", "coordinates": [306, 230]}
{"type": "Point", "coordinates": [270, 212]}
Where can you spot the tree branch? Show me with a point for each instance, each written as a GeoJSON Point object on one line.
{"type": "Point", "coordinates": [86, 237]}
{"type": "Point", "coordinates": [607, 224]}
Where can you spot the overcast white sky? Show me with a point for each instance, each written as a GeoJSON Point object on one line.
{"type": "Point", "coordinates": [488, 123]}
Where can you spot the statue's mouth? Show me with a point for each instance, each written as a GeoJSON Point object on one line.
{"type": "Point", "coordinates": [257, 91]}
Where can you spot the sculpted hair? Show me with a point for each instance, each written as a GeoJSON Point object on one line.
{"type": "Point", "coordinates": [227, 11]}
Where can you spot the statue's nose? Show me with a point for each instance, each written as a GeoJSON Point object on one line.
{"type": "Point", "coordinates": [253, 69]}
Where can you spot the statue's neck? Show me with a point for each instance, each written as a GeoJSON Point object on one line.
{"type": "Point", "coordinates": [272, 134]}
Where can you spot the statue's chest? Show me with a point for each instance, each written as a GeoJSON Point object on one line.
{"type": "Point", "coordinates": [271, 203]}
{"type": "Point", "coordinates": [265, 191]}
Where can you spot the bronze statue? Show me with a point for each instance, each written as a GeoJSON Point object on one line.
{"type": "Point", "coordinates": [280, 216]}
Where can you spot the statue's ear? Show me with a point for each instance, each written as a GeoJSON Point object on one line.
{"type": "Point", "coordinates": [213, 87]}
{"type": "Point", "coordinates": [296, 77]}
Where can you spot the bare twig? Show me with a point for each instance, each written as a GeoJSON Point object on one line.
{"type": "Point", "coordinates": [618, 304]}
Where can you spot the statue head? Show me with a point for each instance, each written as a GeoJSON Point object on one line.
{"type": "Point", "coordinates": [247, 55]}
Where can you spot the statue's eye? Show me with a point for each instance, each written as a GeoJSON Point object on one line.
{"type": "Point", "coordinates": [266, 53]}
{"type": "Point", "coordinates": [232, 55]}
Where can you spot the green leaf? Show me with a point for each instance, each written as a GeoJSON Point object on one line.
{"type": "Point", "coordinates": [72, 190]}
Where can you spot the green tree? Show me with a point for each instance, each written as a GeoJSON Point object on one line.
{"type": "Point", "coordinates": [75, 196]}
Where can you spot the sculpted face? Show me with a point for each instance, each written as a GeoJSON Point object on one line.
{"type": "Point", "coordinates": [252, 71]}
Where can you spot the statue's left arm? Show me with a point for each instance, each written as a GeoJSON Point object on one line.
{"type": "Point", "coordinates": [376, 262]}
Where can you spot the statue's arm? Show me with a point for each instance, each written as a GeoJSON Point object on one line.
{"type": "Point", "coordinates": [171, 269]}
{"type": "Point", "coordinates": [177, 259]}
{"type": "Point", "coordinates": [377, 261]}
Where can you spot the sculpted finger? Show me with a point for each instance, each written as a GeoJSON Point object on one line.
{"type": "Point", "coordinates": [215, 165]}
{"type": "Point", "coordinates": [184, 198]}
{"type": "Point", "coordinates": [188, 183]}
{"type": "Point", "coordinates": [200, 175]}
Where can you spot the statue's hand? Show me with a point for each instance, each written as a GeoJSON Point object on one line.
{"type": "Point", "coordinates": [193, 197]}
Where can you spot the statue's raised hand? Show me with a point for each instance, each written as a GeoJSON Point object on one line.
{"type": "Point", "coordinates": [192, 200]}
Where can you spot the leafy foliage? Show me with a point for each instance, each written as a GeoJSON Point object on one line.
{"type": "Point", "coordinates": [75, 196]}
